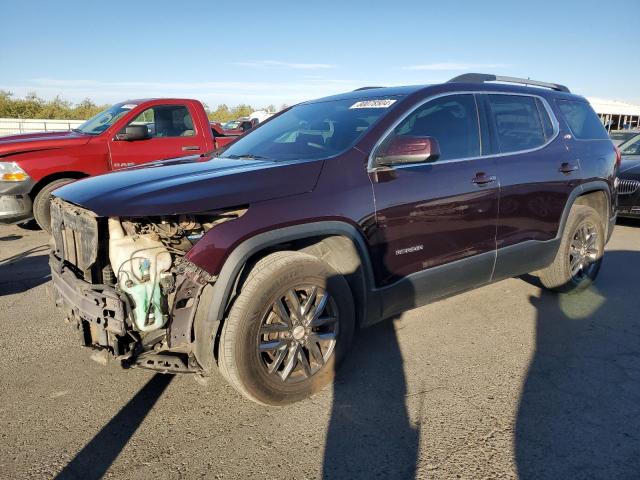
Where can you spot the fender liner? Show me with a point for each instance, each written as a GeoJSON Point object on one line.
{"type": "Point", "coordinates": [207, 329]}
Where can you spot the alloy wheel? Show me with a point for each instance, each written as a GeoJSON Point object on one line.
{"type": "Point", "coordinates": [583, 251]}
{"type": "Point", "coordinates": [297, 335]}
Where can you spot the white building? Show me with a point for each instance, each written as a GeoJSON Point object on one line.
{"type": "Point", "coordinates": [616, 115]}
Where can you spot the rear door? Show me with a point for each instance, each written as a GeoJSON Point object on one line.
{"type": "Point", "coordinates": [173, 133]}
{"type": "Point", "coordinates": [537, 174]}
{"type": "Point", "coordinates": [436, 222]}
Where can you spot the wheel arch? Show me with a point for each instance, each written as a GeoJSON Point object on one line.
{"type": "Point", "coordinates": [44, 181]}
{"type": "Point", "coordinates": [338, 243]}
{"type": "Point", "coordinates": [595, 194]}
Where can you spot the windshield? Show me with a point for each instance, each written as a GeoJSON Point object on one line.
{"type": "Point", "coordinates": [231, 125]}
{"type": "Point", "coordinates": [311, 131]}
{"type": "Point", "coordinates": [622, 135]}
{"type": "Point", "coordinates": [105, 119]}
{"type": "Point", "coordinates": [631, 146]}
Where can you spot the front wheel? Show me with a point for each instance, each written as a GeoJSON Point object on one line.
{"type": "Point", "coordinates": [287, 330]}
{"type": "Point", "coordinates": [579, 257]}
{"type": "Point", "coordinates": [42, 203]}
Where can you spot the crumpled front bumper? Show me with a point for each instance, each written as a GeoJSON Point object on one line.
{"type": "Point", "coordinates": [97, 311]}
{"type": "Point", "coordinates": [15, 201]}
{"type": "Point", "coordinates": [102, 319]}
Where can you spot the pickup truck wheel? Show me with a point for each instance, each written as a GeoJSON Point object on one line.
{"type": "Point", "coordinates": [579, 257]}
{"type": "Point", "coordinates": [42, 203]}
{"type": "Point", "coordinates": [288, 329]}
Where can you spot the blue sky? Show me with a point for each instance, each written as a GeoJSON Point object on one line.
{"type": "Point", "coordinates": [274, 52]}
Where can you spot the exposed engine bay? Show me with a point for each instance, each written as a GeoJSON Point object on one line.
{"type": "Point", "coordinates": [125, 285]}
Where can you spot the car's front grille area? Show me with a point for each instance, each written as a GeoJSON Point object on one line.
{"type": "Point", "coordinates": [75, 234]}
{"type": "Point", "coordinates": [627, 187]}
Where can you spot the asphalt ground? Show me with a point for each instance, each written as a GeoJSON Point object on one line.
{"type": "Point", "coordinates": [506, 381]}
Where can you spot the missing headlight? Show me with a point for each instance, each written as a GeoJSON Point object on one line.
{"type": "Point", "coordinates": [181, 232]}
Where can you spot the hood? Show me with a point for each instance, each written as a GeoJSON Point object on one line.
{"type": "Point", "coordinates": [190, 186]}
{"type": "Point", "coordinates": [630, 167]}
{"type": "Point", "coordinates": [30, 142]}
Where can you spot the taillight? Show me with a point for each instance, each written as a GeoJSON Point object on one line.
{"type": "Point", "coordinates": [618, 156]}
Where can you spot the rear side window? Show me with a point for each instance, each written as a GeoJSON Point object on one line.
{"type": "Point", "coordinates": [519, 122]}
{"type": "Point", "coordinates": [582, 120]}
{"type": "Point", "coordinates": [452, 120]}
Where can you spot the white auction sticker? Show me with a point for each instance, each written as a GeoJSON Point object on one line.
{"type": "Point", "coordinates": [129, 106]}
{"type": "Point", "coordinates": [380, 103]}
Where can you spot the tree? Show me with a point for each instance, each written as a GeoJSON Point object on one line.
{"type": "Point", "coordinates": [32, 106]}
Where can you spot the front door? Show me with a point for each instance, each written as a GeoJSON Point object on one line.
{"type": "Point", "coordinates": [171, 134]}
{"type": "Point", "coordinates": [436, 222]}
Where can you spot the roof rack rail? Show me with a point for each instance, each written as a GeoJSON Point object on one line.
{"type": "Point", "coordinates": [485, 77]}
{"type": "Point", "coordinates": [365, 88]}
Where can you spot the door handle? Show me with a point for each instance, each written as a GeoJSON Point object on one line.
{"type": "Point", "coordinates": [483, 179]}
{"type": "Point", "coordinates": [567, 168]}
{"type": "Point", "coordinates": [190, 148]}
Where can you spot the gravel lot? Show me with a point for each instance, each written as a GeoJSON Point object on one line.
{"type": "Point", "coordinates": [506, 381]}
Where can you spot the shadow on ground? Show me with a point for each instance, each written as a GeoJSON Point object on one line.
{"type": "Point", "coordinates": [24, 271]}
{"type": "Point", "coordinates": [370, 434]}
{"type": "Point", "coordinates": [29, 225]}
{"type": "Point", "coordinates": [579, 412]}
{"type": "Point", "coordinates": [93, 461]}
{"type": "Point", "coordinates": [10, 238]}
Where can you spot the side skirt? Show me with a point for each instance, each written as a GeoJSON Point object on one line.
{"type": "Point", "coordinates": [444, 281]}
{"type": "Point", "coordinates": [438, 282]}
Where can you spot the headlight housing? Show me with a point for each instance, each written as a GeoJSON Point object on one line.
{"type": "Point", "coordinates": [11, 172]}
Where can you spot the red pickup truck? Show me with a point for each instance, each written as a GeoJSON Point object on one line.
{"type": "Point", "coordinates": [127, 134]}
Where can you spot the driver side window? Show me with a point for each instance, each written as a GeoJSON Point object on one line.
{"type": "Point", "coordinates": [166, 121]}
{"type": "Point", "coordinates": [452, 120]}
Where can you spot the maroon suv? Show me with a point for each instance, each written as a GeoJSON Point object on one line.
{"type": "Point", "coordinates": [333, 214]}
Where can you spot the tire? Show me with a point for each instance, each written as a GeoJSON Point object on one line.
{"type": "Point", "coordinates": [561, 275]}
{"type": "Point", "coordinates": [42, 203]}
{"type": "Point", "coordinates": [265, 375]}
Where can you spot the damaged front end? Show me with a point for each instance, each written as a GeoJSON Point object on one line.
{"type": "Point", "coordinates": [125, 286]}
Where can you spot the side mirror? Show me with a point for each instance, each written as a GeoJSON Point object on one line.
{"type": "Point", "coordinates": [405, 149]}
{"type": "Point", "coordinates": [134, 132]}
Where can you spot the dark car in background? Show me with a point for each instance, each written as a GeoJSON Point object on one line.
{"type": "Point", "coordinates": [620, 136]}
{"type": "Point", "coordinates": [629, 178]}
{"type": "Point", "coordinates": [333, 214]}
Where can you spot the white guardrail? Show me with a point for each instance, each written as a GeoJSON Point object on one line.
{"type": "Point", "coordinates": [11, 126]}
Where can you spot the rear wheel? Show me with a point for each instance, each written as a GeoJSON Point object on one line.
{"type": "Point", "coordinates": [42, 203]}
{"type": "Point", "coordinates": [288, 329]}
{"type": "Point", "coordinates": [579, 257]}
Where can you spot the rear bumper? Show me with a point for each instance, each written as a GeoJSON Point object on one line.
{"type": "Point", "coordinates": [631, 213]}
{"type": "Point", "coordinates": [629, 206]}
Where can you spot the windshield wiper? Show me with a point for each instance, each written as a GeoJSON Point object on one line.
{"type": "Point", "coordinates": [77, 130]}
{"type": "Point", "coordinates": [250, 156]}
